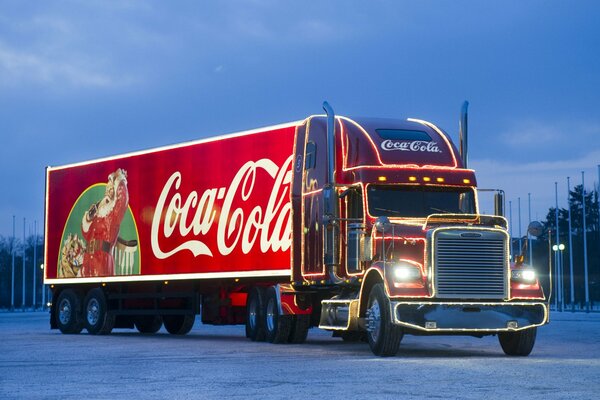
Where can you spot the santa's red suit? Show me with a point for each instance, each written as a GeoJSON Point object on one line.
{"type": "Point", "coordinates": [100, 227]}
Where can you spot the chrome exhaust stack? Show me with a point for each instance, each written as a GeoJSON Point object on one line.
{"type": "Point", "coordinates": [463, 133]}
{"type": "Point", "coordinates": [330, 212]}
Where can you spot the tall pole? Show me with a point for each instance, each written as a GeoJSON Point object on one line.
{"type": "Point", "coordinates": [529, 240]}
{"type": "Point", "coordinates": [556, 257]}
{"type": "Point", "coordinates": [23, 252]}
{"type": "Point", "coordinates": [34, 261]}
{"type": "Point", "coordinates": [520, 235]}
{"type": "Point", "coordinates": [585, 256]}
{"type": "Point", "coordinates": [570, 247]}
{"type": "Point", "coordinates": [12, 273]}
{"type": "Point", "coordinates": [510, 228]}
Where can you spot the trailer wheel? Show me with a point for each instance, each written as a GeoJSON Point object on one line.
{"type": "Point", "coordinates": [384, 337]}
{"type": "Point", "coordinates": [179, 324]}
{"type": "Point", "coordinates": [299, 330]}
{"type": "Point", "coordinates": [518, 343]}
{"type": "Point", "coordinates": [255, 328]}
{"type": "Point", "coordinates": [68, 312]}
{"type": "Point", "coordinates": [148, 323]}
{"type": "Point", "coordinates": [97, 319]}
{"type": "Point", "coordinates": [277, 326]}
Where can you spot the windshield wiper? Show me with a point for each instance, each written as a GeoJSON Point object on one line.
{"type": "Point", "coordinates": [388, 210]}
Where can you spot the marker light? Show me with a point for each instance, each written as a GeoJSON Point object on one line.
{"type": "Point", "coordinates": [467, 181]}
{"type": "Point", "coordinates": [426, 179]}
{"type": "Point", "coordinates": [382, 179]}
{"type": "Point", "coordinates": [440, 179]}
{"type": "Point", "coordinates": [412, 178]}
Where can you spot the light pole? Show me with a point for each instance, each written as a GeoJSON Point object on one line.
{"type": "Point", "coordinates": [585, 256]}
{"type": "Point", "coordinates": [571, 282]}
{"type": "Point", "coordinates": [558, 251]}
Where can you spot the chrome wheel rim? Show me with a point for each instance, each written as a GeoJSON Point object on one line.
{"type": "Point", "coordinates": [271, 315]}
{"type": "Point", "coordinates": [93, 312]}
{"type": "Point", "coordinates": [374, 320]}
{"type": "Point", "coordinates": [64, 311]}
{"type": "Point", "coordinates": [252, 314]}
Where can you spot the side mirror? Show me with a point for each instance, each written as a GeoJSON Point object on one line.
{"type": "Point", "coordinates": [499, 203]}
{"type": "Point", "coordinates": [535, 228]}
{"type": "Point", "coordinates": [382, 224]}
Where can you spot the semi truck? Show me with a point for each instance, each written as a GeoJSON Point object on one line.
{"type": "Point", "coordinates": [366, 227]}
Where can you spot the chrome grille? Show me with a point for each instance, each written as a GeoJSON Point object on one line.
{"type": "Point", "coordinates": [470, 264]}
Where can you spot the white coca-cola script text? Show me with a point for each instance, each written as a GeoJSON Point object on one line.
{"type": "Point", "coordinates": [417, 145]}
{"type": "Point", "coordinates": [240, 221]}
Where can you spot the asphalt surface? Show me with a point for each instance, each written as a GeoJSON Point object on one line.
{"type": "Point", "coordinates": [219, 363]}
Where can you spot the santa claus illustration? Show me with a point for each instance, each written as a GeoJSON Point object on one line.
{"type": "Point", "coordinates": [100, 226]}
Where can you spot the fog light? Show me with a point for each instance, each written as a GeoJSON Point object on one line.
{"type": "Point", "coordinates": [523, 275]}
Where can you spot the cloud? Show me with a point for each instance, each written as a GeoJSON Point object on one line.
{"type": "Point", "coordinates": [18, 67]}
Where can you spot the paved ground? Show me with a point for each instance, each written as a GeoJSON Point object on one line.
{"type": "Point", "coordinates": [218, 362]}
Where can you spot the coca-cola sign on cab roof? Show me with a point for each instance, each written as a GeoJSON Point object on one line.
{"type": "Point", "coordinates": [417, 146]}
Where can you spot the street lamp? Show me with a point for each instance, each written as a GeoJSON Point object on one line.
{"type": "Point", "coordinates": [559, 275]}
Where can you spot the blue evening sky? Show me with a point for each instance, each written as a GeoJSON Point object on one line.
{"type": "Point", "coordinates": [87, 79]}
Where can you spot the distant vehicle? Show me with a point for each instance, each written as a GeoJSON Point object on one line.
{"type": "Point", "coordinates": [365, 227]}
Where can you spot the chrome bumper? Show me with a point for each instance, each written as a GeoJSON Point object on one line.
{"type": "Point", "coordinates": [472, 317]}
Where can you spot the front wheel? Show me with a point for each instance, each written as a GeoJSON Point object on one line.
{"type": "Point", "coordinates": [518, 343]}
{"type": "Point", "coordinates": [384, 337]}
{"type": "Point", "coordinates": [98, 321]}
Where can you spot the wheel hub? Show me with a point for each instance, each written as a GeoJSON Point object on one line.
{"type": "Point", "coordinates": [374, 320]}
{"type": "Point", "coordinates": [64, 312]}
{"type": "Point", "coordinates": [93, 312]}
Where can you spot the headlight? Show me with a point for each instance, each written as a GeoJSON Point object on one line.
{"type": "Point", "coordinates": [406, 272]}
{"type": "Point", "coordinates": [523, 275]}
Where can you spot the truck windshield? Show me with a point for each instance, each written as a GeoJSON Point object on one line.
{"type": "Point", "coordinates": [419, 201]}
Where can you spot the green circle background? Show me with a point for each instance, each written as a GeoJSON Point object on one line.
{"type": "Point", "coordinates": [127, 230]}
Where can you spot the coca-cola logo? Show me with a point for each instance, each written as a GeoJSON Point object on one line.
{"type": "Point", "coordinates": [194, 215]}
{"type": "Point", "coordinates": [417, 145]}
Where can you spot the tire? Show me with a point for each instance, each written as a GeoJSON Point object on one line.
{"type": "Point", "coordinates": [518, 343]}
{"type": "Point", "coordinates": [353, 336]}
{"type": "Point", "coordinates": [179, 324]}
{"type": "Point", "coordinates": [148, 323]}
{"type": "Point", "coordinates": [277, 327]}
{"type": "Point", "coordinates": [299, 329]}
{"type": "Point", "coordinates": [97, 319]}
{"type": "Point", "coordinates": [68, 312]}
{"type": "Point", "coordinates": [383, 336]}
{"type": "Point", "coordinates": [255, 327]}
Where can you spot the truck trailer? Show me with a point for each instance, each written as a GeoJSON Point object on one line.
{"type": "Point", "coordinates": [366, 227]}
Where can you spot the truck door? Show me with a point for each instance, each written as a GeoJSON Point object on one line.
{"type": "Point", "coordinates": [312, 197]}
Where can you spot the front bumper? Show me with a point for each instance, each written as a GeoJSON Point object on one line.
{"type": "Point", "coordinates": [472, 317]}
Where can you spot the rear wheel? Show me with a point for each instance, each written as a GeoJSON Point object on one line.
{"type": "Point", "coordinates": [255, 329]}
{"type": "Point", "coordinates": [518, 343]}
{"type": "Point", "coordinates": [384, 337]}
{"type": "Point", "coordinates": [148, 323]}
{"type": "Point", "coordinates": [179, 324]}
{"type": "Point", "coordinates": [68, 312]}
{"type": "Point", "coordinates": [299, 329]}
{"type": "Point", "coordinates": [98, 321]}
{"type": "Point", "coordinates": [277, 326]}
